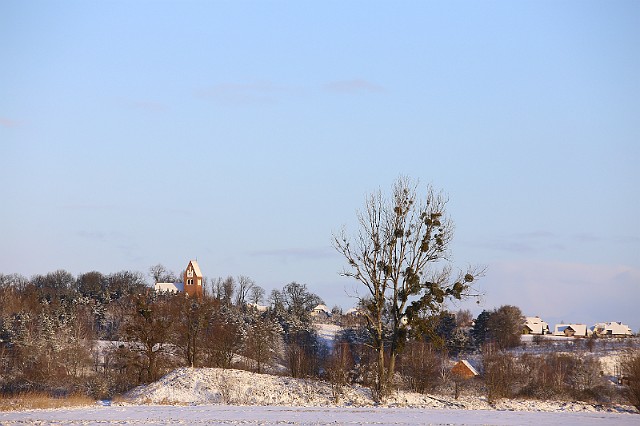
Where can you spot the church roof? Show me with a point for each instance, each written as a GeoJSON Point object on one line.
{"type": "Point", "coordinates": [169, 287]}
{"type": "Point", "coordinates": [196, 268]}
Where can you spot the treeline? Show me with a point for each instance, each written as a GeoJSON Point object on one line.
{"type": "Point", "coordinates": [103, 334]}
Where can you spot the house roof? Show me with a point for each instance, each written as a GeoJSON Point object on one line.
{"type": "Point", "coordinates": [170, 287]}
{"type": "Point", "coordinates": [464, 369]}
{"type": "Point", "coordinates": [322, 308]}
{"type": "Point", "coordinates": [470, 367]}
{"type": "Point", "coordinates": [258, 307]}
{"type": "Point", "coordinates": [536, 325]}
{"type": "Point", "coordinates": [613, 328]}
{"type": "Point", "coordinates": [196, 268]}
{"type": "Point", "coordinates": [618, 328]}
{"type": "Point", "coordinates": [579, 329]}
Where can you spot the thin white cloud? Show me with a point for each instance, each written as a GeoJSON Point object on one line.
{"type": "Point", "coordinates": [354, 86]}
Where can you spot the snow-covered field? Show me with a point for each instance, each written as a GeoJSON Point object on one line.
{"type": "Point", "coordinates": [274, 415]}
{"type": "Point", "coordinates": [214, 396]}
{"type": "Point", "coordinates": [218, 386]}
{"type": "Point", "coordinates": [229, 397]}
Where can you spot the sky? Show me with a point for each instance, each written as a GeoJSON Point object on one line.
{"type": "Point", "coordinates": [244, 134]}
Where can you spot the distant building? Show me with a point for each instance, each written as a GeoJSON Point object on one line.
{"type": "Point", "coordinates": [169, 287]}
{"type": "Point", "coordinates": [191, 283]}
{"type": "Point", "coordinates": [258, 307]}
{"type": "Point", "coordinates": [464, 370]}
{"type": "Point", "coordinates": [321, 311]}
{"type": "Point", "coordinates": [612, 329]}
{"type": "Point", "coordinates": [354, 312]}
{"type": "Point", "coordinates": [572, 330]}
{"type": "Point", "coordinates": [534, 325]}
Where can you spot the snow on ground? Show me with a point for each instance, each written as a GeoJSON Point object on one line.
{"type": "Point", "coordinates": [327, 333]}
{"type": "Point", "coordinates": [215, 396]}
{"type": "Point", "coordinates": [279, 415]}
{"type": "Point", "coordinates": [217, 386]}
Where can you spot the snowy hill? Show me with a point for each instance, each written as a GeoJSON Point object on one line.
{"type": "Point", "coordinates": [198, 386]}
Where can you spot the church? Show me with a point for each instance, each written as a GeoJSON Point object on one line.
{"type": "Point", "coordinates": [191, 282]}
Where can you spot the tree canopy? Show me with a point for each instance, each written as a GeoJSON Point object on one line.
{"type": "Point", "coordinates": [401, 256]}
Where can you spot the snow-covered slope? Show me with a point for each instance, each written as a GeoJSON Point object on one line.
{"type": "Point", "coordinates": [327, 333]}
{"type": "Point", "coordinates": [215, 386]}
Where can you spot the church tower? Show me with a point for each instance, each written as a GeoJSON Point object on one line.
{"type": "Point", "coordinates": [193, 280]}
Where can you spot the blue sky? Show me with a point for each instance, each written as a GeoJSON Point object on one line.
{"type": "Point", "coordinates": [244, 134]}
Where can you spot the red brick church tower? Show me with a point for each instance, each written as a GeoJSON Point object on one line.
{"type": "Point", "coordinates": [193, 280]}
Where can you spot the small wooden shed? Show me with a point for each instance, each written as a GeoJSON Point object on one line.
{"type": "Point", "coordinates": [464, 370]}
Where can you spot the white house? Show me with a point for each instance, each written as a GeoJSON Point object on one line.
{"type": "Point", "coordinates": [258, 307]}
{"type": "Point", "coordinates": [169, 287]}
{"type": "Point", "coordinates": [321, 310]}
{"type": "Point", "coordinates": [613, 329]}
{"type": "Point", "coordinates": [534, 325]}
{"type": "Point", "coordinates": [572, 330]}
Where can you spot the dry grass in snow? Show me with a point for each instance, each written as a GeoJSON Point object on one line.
{"type": "Point", "coordinates": [35, 400]}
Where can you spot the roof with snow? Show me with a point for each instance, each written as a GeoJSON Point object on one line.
{"type": "Point", "coordinates": [258, 307]}
{"type": "Point", "coordinates": [613, 329]}
{"type": "Point", "coordinates": [536, 325]}
{"type": "Point", "coordinates": [464, 369]}
{"type": "Point", "coordinates": [196, 268]}
{"type": "Point", "coordinates": [567, 329]}
{"type": "Point", "coordinates": [169, 287]}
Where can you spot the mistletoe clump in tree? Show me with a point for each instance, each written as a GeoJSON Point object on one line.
{"type": "Point", "coordinates": [401, 256]}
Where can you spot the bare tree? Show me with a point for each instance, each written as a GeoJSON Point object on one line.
{"type": "Point", "coordinates": [299, 301]}
{"type": "Point", "coordinates": [337, 369]}
{"type": "Point", "coordinates": [217, 290]}
{"type": "Point", "coordinates": [228, 290]}
{"type": "Point", "coordinates": [160, 274]}
{"type": "Point", "coordinates": [256, 294]}
{"type": "Point", "coordinates": [397, 255]}
{"type": "Point", "coordinates": [464, 318]}
{"type": "Point", "coordinates": [149, 328]}
{"type": "Point", "coordinates": [630, 367]}
{"type": "Point", "coordinates": [421, 366]}
{"type": "Point", "coordinates": [190, 320]}
{"type": "Point", "coordinates": [500, 373]}
{"type": "Point", "coordinates": [245, 284]}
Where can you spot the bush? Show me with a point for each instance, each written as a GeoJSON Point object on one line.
{"type": "Point", "coordinates": [500, 374]}
{"type": "Point", "coordinates": [421, 367]}
{"type": "Point", "coordinates": [630, 372]}
{"type": "Point", "coordinates": [338, 369]}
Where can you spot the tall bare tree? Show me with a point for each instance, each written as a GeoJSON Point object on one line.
{"type": "Point", "coordinates": [397, 255]}
{"type": "Point", "coordinates": [256, 295]}
{"type": "Point", "coordinates": [245, 284]}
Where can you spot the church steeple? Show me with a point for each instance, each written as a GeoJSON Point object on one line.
{"type": "Point", "coordinates": [193, 280]}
